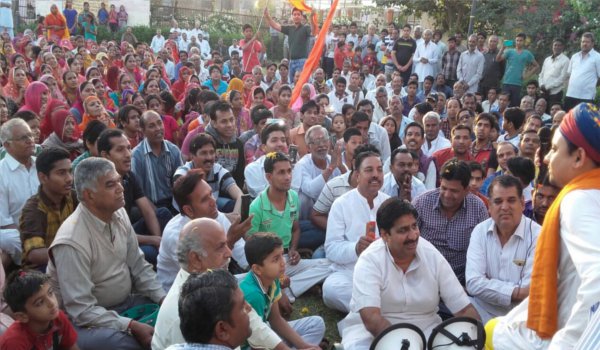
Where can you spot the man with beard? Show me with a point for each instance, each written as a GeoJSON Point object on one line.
{"type": "Point", "coordinates": [155, 160]}
{"type": "Point", "coordinates": [347, 235]}
{"type": "Point", "coordinates": [434, 140]}
{"type": "Point", "coordinates": [224, 189]}
{"type": "Point", "coordinates": [448, 214]}
{"type": "Point", "coordinates": [203, 247]}
{"type": "Point", "coordinates": [396, 109]}
{"type": "Point", "coordinates": [194, 198]}
{"type": "Point", "coordinates": [147, 221]}
{"type": "Point", "coordinates": [529, 144]}
{"type": "Point", "coordinates": [544, 195]}
{"type": "Point", "coordinates": [400, 182]}
{"type": "Point", "coordinates": [460, 149]}
{"type": "Point", "coordinates": [564, 283]}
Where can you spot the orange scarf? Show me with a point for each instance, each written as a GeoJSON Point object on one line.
{"type": "Point", "coordinates": [543, 294]}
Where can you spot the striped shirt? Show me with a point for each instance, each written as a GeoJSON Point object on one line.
{"type": "Point", "coordinates": [590, 339]}
{"type": "Point", "coordinates": [450, 236]}
{"type": "Point", "coordinates": [450, 65]}
{"type": "Point", "coordinates": [333, 189]}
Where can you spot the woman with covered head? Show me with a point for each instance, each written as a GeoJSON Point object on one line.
{"type": "Point", "coordinates": [94, 110]}
{"type": "Point", "coordinates": [178, 87]}
{"type": "Point", "coordinates": [131, 69]}
{"type": "Point", "coordinates": [85, 90]}
{"type": "Point", "coordinates": [53, 87]}
{"type": "Point", "coordinates": [37, 98]}
{"type": "Point", "coordinates": [56, 24]}
{"type": "Point", "coordinates": [65, 133]}
{"type": "Point", "coordinates": [17, 85]}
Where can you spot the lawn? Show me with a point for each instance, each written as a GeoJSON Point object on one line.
{"type": "Point", "coordinates": [311, 304]}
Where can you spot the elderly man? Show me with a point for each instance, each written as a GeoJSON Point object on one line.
{"type": "Point", "coordinates": [563, 292]}
{"type": "Point", "coordinates": [448, 214]}
{"type": "Point", "coordinates": [396, 111]}
{"type": "Point", "coordinates": [97, 267]}
{"type": "Point", "coordinates": [202, 245]}
{"type": "Point", "coordinates": [315, 169]}
{"type": "Point", "coordinates": [400, 278]}
{"type": "Point", "coordinates": [434, 140]}
{"type": "Point", "coordinates": [501, 251]}
{"type": "Point", "coordinates": [194, 198]}
{"type": "Point", "coordinates": [349, 232]}
{"type": "Point", "coordinates": [470, 66]}
{"type": "Point", "coordinates": [155, 160]}
{"type": "Point", "coordinates": [400, 182]}
{"type": "Point", "coordinates": [18, 182]}
{"type": "Point", "coordinates": [425, 57]}
{"type": "Point", "coordinates": [381, 104]}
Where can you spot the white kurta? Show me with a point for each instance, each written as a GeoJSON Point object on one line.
{"type": "Point", "coordinates": [578, 280]}
{"type": "Point", "coordinates": [410, 297]}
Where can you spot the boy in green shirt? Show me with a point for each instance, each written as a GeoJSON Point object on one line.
{"type": "Point", "coordinates": [262, 290]}
{"type": "Point", "coordinates": [276, 210]}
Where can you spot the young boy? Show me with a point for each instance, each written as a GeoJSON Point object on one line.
{"type": "Point", "coordinates": [477, 177]}
{"type": "Point", "coordinates": [262, 290]}
{"type": "Point", "coordinates": [40, 324]}
{"type": "Point", "coordinates": [272, 139]}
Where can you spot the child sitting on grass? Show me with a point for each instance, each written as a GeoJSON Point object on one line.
{"type": "Point", "coordinates": [40, 324]}
{"type": "Point", "coordinates": [262, 290]}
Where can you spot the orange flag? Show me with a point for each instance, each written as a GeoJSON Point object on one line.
{"type": "Point", "coordinates": [312, 62]}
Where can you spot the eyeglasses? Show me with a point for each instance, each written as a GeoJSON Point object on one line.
{"type": "Point", "coordinates": [319, 142]}
{"type": "Point", "coordinates": [24, 138]}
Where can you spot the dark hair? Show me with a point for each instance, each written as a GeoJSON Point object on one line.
{"type": "Point", "coordinates": [506, 181]}
{"type": "Point", "coordinates": [214, 67]}
{"type": "Point", "coordinates": [260, 245]}
{"type": "Point", "coordinates": [271, 128]}
{"type": "Point", "coordinates": [359, 117]}
{"type": "Point", "coordinates": [364, 102]}
{"type": "Point", "coordinates": [26, 115]}
{"type": "Point", "coordinates": [92, 132]}
{"type": "Point", "coordinates": [308, 105]}
{"type": "Point", "coordinates": [149, 98]}
{"type": "Point", "coordinates": [219, 106]}
{"type": "Point", "coordinates": [22, 285]}
{"type": "Point", "coordinates": [205, 300]}
{"type": "Point", "coordinates": [199, 141]}
{"type": "Point", "coordinates": [533, 82]}
{"type": "Point", "coordinates": [412, 82]}
{"type": "Point", "coordinates": [397, 151]}
{"type": "Point", "coordinates": [558, 40]}
{"type": "Point", "coordinates": [184, 186]}
{"type": "Point", "coordinates": [523, 168]}
{"type": "Point", "coordinates": [522, 35]}
{"type": "Point", "coordinates": [259, 112]}
{"type": "Point", "coordinates": [271, 159]}
{"type": "Point", "coordinates": [341, 80]}
{"type": "Point", "coordinates": [455, 169]}
{"type": "Point", "coordinates": [285, 88]}
{"type": "Point", "coordinates": [516, 116]}
{"type": "Point", "coordinates": [543, 179]}
{"type": "Point", "coordinates": [147, 83]}
{"type": "Point", "coordinates": [346, 107]}
{"type": "Point", "coordinates": [44, 163]}
{"type": "Point", "coordinates": [246, 26]}
{"type": "Point", "coordinates": [423, 108]}
{"type": "Point", "coordinates": [489, 117]}
{"type": "Point", "coordinates": [363, 152]}
{"type": "Point", "coordinates": [476, 166]}
{"type": "Point", "coordinates": [123, 115]}
{"type": "Point", "coordinates": [348, 133]}
{"type": "Point", "coordinates": [429, 78]}
{"type": "Point", "coordinates": [460, 127]}
{"type": "Point", "coordinates": [104, 143]}
{"type": "Point", "coordinates": [416, 125]}
{"type": "Point", "coordinates": [391, 210]}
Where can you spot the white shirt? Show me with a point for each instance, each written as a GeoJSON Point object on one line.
{"type": "Point", "coordinates": [486, 106]}
{"type": "Point", "coordinates": [345, 227]}
{"type": "Point", "coordinates": [515, 140]}
{"type": "Point", "coordinates": [430, 52]}
{"type": "Point", "coordinates": [308, 181]}
{"type": "Point", "coordinates": [493, 271]}
{"type": "Point", "coordinates": [352, 38]}
{"type": "Point", "coordinates": [439, 143]}
{"type": "Point", "coordinates": [470, 69]}
{"type": "Point", "coordinates": [379, 138]}
{"type": "Point", "coordinates": [167, 331]}
{"type": "Point", "coordinates": [378, 113]}
{"type": "Point", "coordinates": [554, 73]}
{"type": "Point", "coordinates": [390, 186]}
{"type": "Point", "coordinates": [17, 184]}
{"type": "Point", "coordinates": [256, 180]}
{"type": "Point", "coordinates": [369, 83]}
{"type": "Point", "coordinates": [402, 297]}
{"type": "Point", "coordinates": [338, 102]}
{"type": "Point", "coordinates": [170, 69]}
{"type": "Point", "coordinates": [235, 48]}
{"type": "Point", "coordinates": [157, 43]}
{"type": "Point", "coordinates": [167, 264]}
{"type": "Point", "coordinates": [585, 72]}
{"type": "Point", "coordinates": [204, 49]}
{"type": "Point", "coordinates": [578, 280]}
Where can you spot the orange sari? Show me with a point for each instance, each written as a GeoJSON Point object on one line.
{"type": "Point", "coordinates": [57, 35]}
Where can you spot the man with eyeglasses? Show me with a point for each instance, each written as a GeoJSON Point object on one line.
{"type": "Point", "coordinates": [18, 182]}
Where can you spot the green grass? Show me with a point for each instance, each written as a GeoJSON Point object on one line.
{"type": "Point", "coordinates": [311, 304]}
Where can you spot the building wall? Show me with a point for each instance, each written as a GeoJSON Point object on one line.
{"type": "Point", "coordinates": [138, 10]}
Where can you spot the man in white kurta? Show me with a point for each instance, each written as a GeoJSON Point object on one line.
{"type": "Point", "coordinates": [410, 297]}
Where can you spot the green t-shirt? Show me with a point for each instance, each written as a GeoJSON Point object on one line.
{"type": "Point", "coordinates": [515, 65]}
{"type": "Point", "coordinates": [268, 219]}
{"type": "Point", "coordinates": [260, 301]}
{"type": "Point", "coordinates": [298, 38]}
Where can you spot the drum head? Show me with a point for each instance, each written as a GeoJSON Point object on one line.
{"type": "Point", "coordinates": [401, 336]}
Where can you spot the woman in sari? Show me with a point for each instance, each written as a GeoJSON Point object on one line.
{"type": "Point", "coordinates": [307, 93]}
{"type": "Point", "coordinates": [130, 68]}
{"type": "Point", "coordinates": [248, 80]}
{"type": "Point", "coordinates": [65, 133]}
{"type": "Point", "coordinates": [46, 118]}
{"type": "Point", "coordinates": [240, 113]}
{"type": "Point", "coordinates": [70, 84]}
{"type": "Point", "coordinates": [52, 85]}
{"type": "Point", "coordinates": [56, 24]}
{"type": "Point", "coordinates": [17, 85]}
{"type": "Point", "coordinates": [94, 110]}
{"type": "Point", "coordinates": [84, 91]}
{"type": "Point", "coordinates": [124, 83]}
{"type": "Point", "coordinates": [151, 87]}
{"type": "Point", "coordinates": [49, 59]}
{"type": "Point", "coordinates": [178, 88]}
{"type": "Point", "coordinates": [76, 67]}
{"type": "Point", "coordinates": [153, 73]}
{"type": "Point", "coordinates": [37, 97]}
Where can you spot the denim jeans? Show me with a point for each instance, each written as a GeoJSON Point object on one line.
{"type": "Point", "coordinates": [163, 215]}
{"type": "Point", "coordinates": [311, 237]}
{"type": "Point", "coordinates": [296, 65]}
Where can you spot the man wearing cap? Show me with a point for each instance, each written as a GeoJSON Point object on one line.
{"type": "Point", "coordinates": [565, 283]}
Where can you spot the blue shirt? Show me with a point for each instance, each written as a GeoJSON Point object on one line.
{"type": "Point", "coordinates": [102, 16]}
{"type": "Point", "coordinates": [156, 172]}
{"type": "Point", "coordinates": [222, 87]}
{"type": "Point", "coordinates": [70, 16]}
{"type": "Point", "coordinates": [515, 64]}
